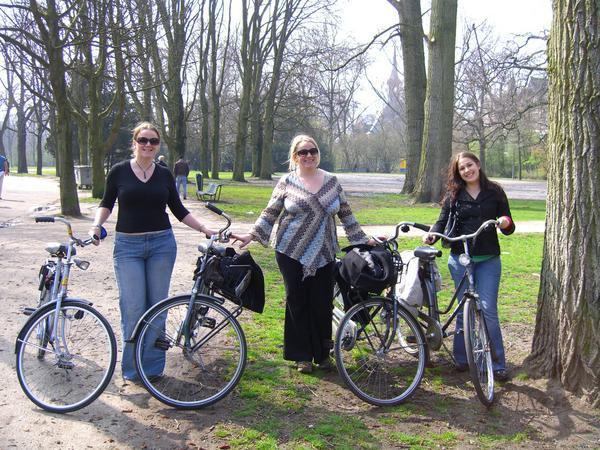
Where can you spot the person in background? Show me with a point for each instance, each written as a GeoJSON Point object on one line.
{"type": "Point", "coordinates": [181, 171]}
{"type": "Point", "coordinates": [4, 171]}
{"type": "Point", "coordinates": [145, 248]}
{"type": "Point", "coordinates": [306, 201]}
{"type": "Point", "coordinates": [161, 160]}
{"type": "Point", "coordinates": [476, 199]}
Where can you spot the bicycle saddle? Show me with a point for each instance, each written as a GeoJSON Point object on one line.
{"type": "Point", "coordinates": [58, 249]}
{"type": "Point", "coordinates": [427, 253]}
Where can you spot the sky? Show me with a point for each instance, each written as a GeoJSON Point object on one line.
{"type": "Point", "coordinates": [362, 19]}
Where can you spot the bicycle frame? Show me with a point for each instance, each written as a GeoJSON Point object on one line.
{"type": "Point", "coordinates": [60, 284]}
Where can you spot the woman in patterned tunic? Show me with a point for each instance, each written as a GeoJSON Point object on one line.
{"type": "Point", "coordinates": [306, 201]}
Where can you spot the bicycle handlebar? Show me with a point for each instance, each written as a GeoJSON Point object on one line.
{"type": "Point", "coordinates": [223, 235]}
{"type": "Point", "coordinates": [77, 241]}
{"type": "Point", "coordinates": [464, 237]}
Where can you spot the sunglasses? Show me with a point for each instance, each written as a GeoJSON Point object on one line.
{"type": "Point", "coordinates": [306, 151]}
{"type": "Point", "coordinates": [144, 140]}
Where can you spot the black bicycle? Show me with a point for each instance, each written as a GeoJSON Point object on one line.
{"type": "Point", "coordinates": [66, 351]}
{"type": "Point", "coordinates": [203, 344]}
{"type": "Point", "coordinates": [382, 344]}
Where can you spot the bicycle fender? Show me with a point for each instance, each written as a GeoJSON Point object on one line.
{"type": "Point", "coordinates": [42, 310]}
{"type": "Point", "coordinates": [138, 325]}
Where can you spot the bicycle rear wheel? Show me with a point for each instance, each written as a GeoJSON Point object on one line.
{"type": "Point", "coordinates": [382, 365]}
{"type": "Point", "coordinates": [196, 374]}
{"type": "Point", "coordinates": [78, 360]}
{"type": "Point", "coordinates": [479, 356]}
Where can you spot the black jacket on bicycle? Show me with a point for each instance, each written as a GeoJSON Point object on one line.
{"type": "Point", "coordinates": [491, 203]}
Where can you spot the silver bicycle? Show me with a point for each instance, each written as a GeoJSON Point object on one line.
{"type": "Point", "coordinates": [66, 351]}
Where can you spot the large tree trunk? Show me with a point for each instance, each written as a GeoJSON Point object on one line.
{"type": "Point", "coordinates": [437, 132]}
{"type": "Point", "coordinates": [566, 343]}
{"type": "Point", "coordinates": [415, 84]}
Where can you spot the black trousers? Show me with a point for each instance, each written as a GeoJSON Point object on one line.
{"type": "Point", "coordinates": [308, 312]}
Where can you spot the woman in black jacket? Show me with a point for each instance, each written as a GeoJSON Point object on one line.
{"type": "Point", "coordinates": [476, 199]}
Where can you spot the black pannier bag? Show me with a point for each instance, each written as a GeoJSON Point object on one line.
{"type": "Point", "coordinates": [363, 270]}
{"type": "Point", "coordinates": [368, 268]}
{"type": "Point", "coordinates": [238, 278]}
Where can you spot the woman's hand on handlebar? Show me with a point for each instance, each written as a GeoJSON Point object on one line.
{"type": "Point", "coordinates": [504, 222]}
{"type": "Point", "coordinates": [94, 233]}
{"type": "Point", "coordinates": [245, 239]}
{"type": "Point", "coordinates": [428, 239]}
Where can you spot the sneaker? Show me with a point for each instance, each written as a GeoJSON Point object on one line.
{"type": "Point", "coordinates": [501, 375]}
{"type": "Point", "coordinates": [327, 364]}
{"type": "Point", "coordinates": [304, 366]}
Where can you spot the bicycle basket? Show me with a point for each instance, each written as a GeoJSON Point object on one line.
{"type": "Point", "coordinates": [238, 278]}
{"type": "Point", "coordinates": [368, 268]}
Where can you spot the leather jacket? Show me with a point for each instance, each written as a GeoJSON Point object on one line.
{"type": "Point", "coordinates": [471, 213]}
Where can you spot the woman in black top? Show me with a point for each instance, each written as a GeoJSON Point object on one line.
{"type": "Point", "coordinates": [476, 199]}
{"type": "Point", "coordinates": [145, 248]}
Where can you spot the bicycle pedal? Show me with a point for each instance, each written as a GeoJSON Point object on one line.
{"type": "Point", "coordinates": [65, 365]}
{"type": "Point", "coordinates": [28, 311]}
{"type": "Point", "coordinates": [162, 344]}
{"type": "Point", "coordinates": [78, 315]}
{"type": "Point", "coordinates": [208, 322]}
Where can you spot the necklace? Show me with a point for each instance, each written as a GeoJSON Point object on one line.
{"type": "Point", "coordinates": [142, 169]}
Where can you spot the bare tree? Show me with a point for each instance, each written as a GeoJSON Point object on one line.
{"type": "Point", "coordinates": [42, 34]}
{"type": "Point", "coordinates": [494, 88]}
{"type": "Point", "coordinates": [566, 343]}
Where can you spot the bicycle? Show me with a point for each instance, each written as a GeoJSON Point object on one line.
{"type": "Point", "coordinates": [66, 352]}
{"type": "Point", "coordinates": [382, 345]}
{"type": "Point", "coordinates": [203, 343]}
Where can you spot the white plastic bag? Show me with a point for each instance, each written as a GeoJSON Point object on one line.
{"type": "Point", "coordinates": [409, 289]}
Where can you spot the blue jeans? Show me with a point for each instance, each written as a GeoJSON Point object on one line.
{"type": "Point", "coordinates": [487, 281]}
{"type": "Point", "coordinates": [181, 181]}
{"type": "Point", "coordinates": [143, 266]}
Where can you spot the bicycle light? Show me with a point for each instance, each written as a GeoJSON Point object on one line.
{"type": "Point", "coordinates": [464, 260]}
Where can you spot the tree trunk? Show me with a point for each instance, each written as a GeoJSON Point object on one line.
{"type": "Point", "coordinates": [566, 343]}
{"type": "Point", "coordinates": [415, 84]}
{"type": "Point", "coordinates": [21, 137]}
{"type": "Point", "coordinates": [69, 201]}
{"type": "Point", "coordinates": [439, 103]}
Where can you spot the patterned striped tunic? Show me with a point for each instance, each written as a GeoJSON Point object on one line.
{"type": "Point", "coordinates": [307, 229]}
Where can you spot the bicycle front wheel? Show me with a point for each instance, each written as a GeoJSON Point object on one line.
{"type": "Point", "coordinates": [479, 356]}
{"type": "Point", "coordinates": [190, 366]}
{"type": "Point", "coordinates": [78, 358]}
{"type": "Point", "coordinates": [381, 362]}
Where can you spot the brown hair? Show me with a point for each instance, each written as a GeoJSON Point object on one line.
{"type": "Point", "coordinates": [455, 181]}
{"type": "Point", "coordinates": [294, 145]}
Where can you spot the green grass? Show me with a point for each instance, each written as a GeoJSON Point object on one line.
{"type": "Point", "coordinates": [417, 442]}
{"type": "Point", "coordinates": [245, 201]}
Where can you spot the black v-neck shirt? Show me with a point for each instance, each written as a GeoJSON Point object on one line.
{"type": "Point", "coordinates": [142, 205]}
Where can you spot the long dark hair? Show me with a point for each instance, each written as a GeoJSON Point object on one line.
{"type": "Point", "coordinates": [456, 183]}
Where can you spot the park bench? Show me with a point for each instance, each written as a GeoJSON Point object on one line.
{"type": "Point", "coordinates": [212, 193]}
